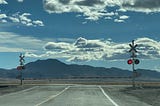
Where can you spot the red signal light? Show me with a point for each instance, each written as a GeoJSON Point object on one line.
{"type": "Point", "coordinates": [130, 61]}
{"type": "Point", "coordinates": [19, 68]}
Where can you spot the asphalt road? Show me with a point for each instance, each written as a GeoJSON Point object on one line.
{"type": "Point", "coordinates": [70, 95]}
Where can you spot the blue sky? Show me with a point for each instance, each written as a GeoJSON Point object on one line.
{"type": "Point", "coordinates": [92, 32]}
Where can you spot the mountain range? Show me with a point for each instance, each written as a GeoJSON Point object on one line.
{"type": "Point", "coordinates": [52, 68]}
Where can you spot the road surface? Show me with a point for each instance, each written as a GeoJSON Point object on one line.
{"type": "Point", "coordinates": [69, 95]}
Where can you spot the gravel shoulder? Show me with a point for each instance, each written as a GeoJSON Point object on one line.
{"type": "Point", "coordinates": [5, 89]}
{"type": "Point", "coordinates": [149, 95]}
{"type": "Point", "coordinates": [122, 95]}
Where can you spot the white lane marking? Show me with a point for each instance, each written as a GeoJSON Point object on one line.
{"type": "Point", "coordinates": [52, 96]}
{"type": "Point", "coordinates": [113, 102]}
{"type": "Point", "coordinates": [18, 92]}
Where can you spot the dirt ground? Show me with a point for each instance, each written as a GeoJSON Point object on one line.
{"type": "Point", "coordinates": [5, 89]}
{"type": "Point", "coordinates": [147, 94]}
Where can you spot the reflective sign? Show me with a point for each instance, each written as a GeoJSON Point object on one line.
{"type": "Point", "coordinates": [133, 47]}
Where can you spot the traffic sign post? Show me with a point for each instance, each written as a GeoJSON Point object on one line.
{"type": "Point", "coordinates": [21, 67]}
{"type": "Point", "coordinates": [133, 61]}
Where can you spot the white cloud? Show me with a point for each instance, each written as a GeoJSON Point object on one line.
{"type": "Point", "coordinates": [91, 9]}
{"type": "Point", "coordinates": [20, 0]}
{"type": "Point", "coordinates": [149, 47]}
{"type": "Point", "coordinates": [38, 22]}
{"type": "Point", "coordinates": [24, 17]}
{"type": "Point", "coordinates": [123, 17]}
{"type": "Point", "coordinates": [122, 10]}
{"type": "Point", "coordinates": [96, 9]}
{"type": "Point", "coordinates": [118, 20]}
{"type": "Point", "coordinates": [21, 18]}
{"type": "Point", "coordinates": [57, 46]}
{"type": "Point", "coordinates": [79, 50]}
{"type": "Point", "coordinates": [11, 42]}
{"type": "Point", "coordinates": [2, 16]}
{"type": "Point", "coordinates": [13, 19]}
{"type": "Point", "coordinates": [3, 21]}
{"type": "Point", "coordinates": [86, 50]}
{"type": "Point", "coordinates": [145, 6]}
{"type": "Point", "coordinates": [3, 2]}
{"type": "Point", "coordinates": [108, 18]}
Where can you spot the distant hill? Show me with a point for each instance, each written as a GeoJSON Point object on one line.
{"type": "Point", "coordinates": [52, 68]}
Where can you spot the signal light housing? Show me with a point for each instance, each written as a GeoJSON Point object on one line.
{"type": "Point", "coordinates": [136, 61]}
{"type": "Point", "coordinates": [130, 61]}
{"type": "Point", "coordinates": [20, 67]}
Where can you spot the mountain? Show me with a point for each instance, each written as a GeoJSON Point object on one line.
{"type": "Point", "coordinates": [52, 68]}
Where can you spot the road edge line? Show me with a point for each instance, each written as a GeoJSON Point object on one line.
{"type": "Point", "coordinates": [53, 96]}
{"type": "Point", "coordinates": [111, 100]}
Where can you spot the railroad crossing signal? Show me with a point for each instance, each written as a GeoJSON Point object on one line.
{"type": "Point", "coordinates": [21, 66]}
{"type": "Point", "coordinates": [21, 59]}
{"type": "Point", "coordinates": [133, 61]}
{"type": "Point", "coordinates": [133, 47]}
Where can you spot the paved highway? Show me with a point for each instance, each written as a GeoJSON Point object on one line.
{"type": "Point", "coordinates": [69, 95]}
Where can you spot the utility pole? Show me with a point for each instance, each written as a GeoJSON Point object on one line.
{"type": "Point", "coordinates": [21, 67]}
{"type": "Point", "coordinates": [133, 61]}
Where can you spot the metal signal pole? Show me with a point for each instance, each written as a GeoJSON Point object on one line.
{"type": "Point", "coordinates": [133, 56]}
{"type": "Point", "coordinates": [133, 68]}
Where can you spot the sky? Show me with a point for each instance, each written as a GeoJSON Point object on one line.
{"type": "Point", "coordinates": [90, 32]}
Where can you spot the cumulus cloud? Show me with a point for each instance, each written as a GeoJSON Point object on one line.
{"type": "Point", "coordinates": [85, 50]}
{"type": "Point", "coordinates": [3, 21]}
{"type": "Point", "coordinates": [20, 0]}
{"type": "Point", "coordinates": [123, 17]}
{"type": "Point", "coordinates": [24, 19]}
{"type": "Point", "coordinates": [38, 22]}
{"type": "Point", "coordinates": [96, 9]}
{"type": "Point", "coordinates": [118, 20]}
{"type": "Point", "coordinates": [2, 16]}
{"type": "Point", "coordinates": [149, 47]}
{"type": "Point", "coordinates": [21, 18]}
{"type": "Point", "coordinates": [3, 2]}
{"type": "Point", "coordinates": [58, 46]}
{"type": "Point", "coordinates": [142, 5]}
{"type": "Point", "coordinates": [91, 9]}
